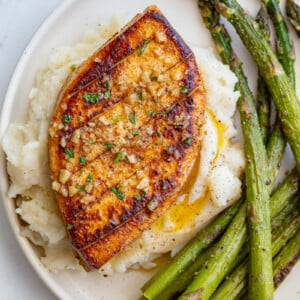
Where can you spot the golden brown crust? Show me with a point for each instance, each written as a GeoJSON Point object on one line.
{"type": "Point", "coordinates": [125, 135]}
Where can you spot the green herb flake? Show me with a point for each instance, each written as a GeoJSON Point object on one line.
{"type": "Point", "coordinates": [137, 197]}
{"type": "Point", "coordinates": [82, 188]}
{"type": "Point", "coordinates": [69, 226]}
{"type": "Point", "coordinates": [73, 67]}
{"type": "Point", "coordinates": [93, 98]}
{"type": "Point", "coordinates": [82, 160]}
{"type": "Point", "coordinates": [151, 113]}
{"type": "Point", "coordinates": [119, 157]}
{"type": "Point", "coordinates": [184, 89]}
{"type": "Point", "coordinates": [143, 48]}
{"type": "Point", "coordinates": [132, 118]}
{"type": "Point", "coordinates": [66, 118]}
{"type": "Point", "coordinates": [78, 118]}
{"type": "Point", "coordinates": [117, 192]}
{"type": "Point", "coordinates": [188, 142]}
{"type": "Point", "coordinates": [158, 133]}
{"type": "Point", "coordinates": [108, 145]}
{"type": "Point", "coordinates": [117, 119]}
{"type": "Point", "coordinates": [69, 152]}
{"type": "Point", "coordinates": [90, 178]}
{"type": "Point", "coordinates": [90, 141]}
{"type": "Point", "coordinates": [107, 94]}
{"type": "Point", "coordinates": [137, 132]}
{"type": "Point", "coordinates": [107, 84]}
{"type": "Point", "coordinates": [140, 95]}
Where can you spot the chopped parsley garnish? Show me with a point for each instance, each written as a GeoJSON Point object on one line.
{"type": "Point", "coordinates": [107, 84]}
{"type": "Point", "coordinates": [78, 118]}
{"type": "Point", "coordinates": [108, 145]}
{"type": "Point", "coordinates": [90, 141]}
{"type": "Point", "coordinates": [90, 178]}
{"type": "Point", "coordinates": [136, 133]}
{"type": "Point", "coordinates": [117, 119]}
{"type": "Point", "coordinates": [140, 95]}
{"type": "Point", "coordinates": [93, 98]}
{"type": "Point", "coordinates": [82, 188]}
{"type": "Point", "coordinates": [132, 118]}
{"type": "Point", "coordinates": [137, 197]}
{"type": "Point", "coordinates": [82, 160]}
{"type": "Point", "coordinates": [188, 142]}
{"type": "Point", "coordinates": [67, 118]}
{"type": "Point", "coordinates": [117, 192]}
{"type": "Point", "coordinates": [107, 94]}
{"type": "Point", "coordinates": [69, 226]}
{"type": "Point", "coordinates": [143, 48]}
{"type": "Point", "coordinates": [184, 89]}
{"type": "Point", "coordinates": [151, 113]}
{"type": "Point", "coordinates": [73, 67]}
{"type": "Point", "coordinates": [119, 157]}
{"type": "Point", "coordinates": [69, 152]}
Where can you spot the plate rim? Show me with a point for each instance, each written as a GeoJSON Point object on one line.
{"type": "Point", "coordinates": [8, 102]}
{"type": "Point", "coordinates": [9, 208]}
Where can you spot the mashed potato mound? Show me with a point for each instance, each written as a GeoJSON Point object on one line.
{"type": "Point", "coordinates": [213, 184]}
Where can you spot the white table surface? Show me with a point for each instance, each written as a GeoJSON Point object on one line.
{"type": "Point", "coordinates": [19, 19]}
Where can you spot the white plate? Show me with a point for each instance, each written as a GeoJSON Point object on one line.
{"type": "Point", "coordinates": [65, 27]}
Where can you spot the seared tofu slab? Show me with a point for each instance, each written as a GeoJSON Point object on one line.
{"type": "Point", "coordinates": [125, 135]}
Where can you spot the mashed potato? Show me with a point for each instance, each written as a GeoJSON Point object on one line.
{"type": "Point", "coordinates": [213, 184]}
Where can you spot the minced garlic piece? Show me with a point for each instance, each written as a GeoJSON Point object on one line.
{"type": "Point", "coordinates": [64, 176]}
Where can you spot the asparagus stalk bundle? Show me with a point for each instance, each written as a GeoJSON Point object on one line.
{"type": "Point", "coordinates": [256, 177]}
{"type": "Point", "coordinates": [289, 221]}
{"type": "Point", "coordinates": [281, 88]}
{"type": "Point", "coordinates": [288, 107]}
{"type": "Point", "coordinates": [293, 14]}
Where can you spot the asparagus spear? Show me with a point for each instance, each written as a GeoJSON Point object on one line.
{"type": "Point", "coordinates": [290, 209]}
{"type": "Point", "coordinates": [284, 48]}
{"type": "Point", "coordinates": [283, 264]}
{"type": "Point", "coordinates": [236, 282]}
{"type": "Point", "coordinates": [189, 253]}
{"type": "Point", "coordinates": [263, 96]}
{"type": "Point", "coordinates": [278, 82]}
{"type": "Point", "coordinates": [293, 14]}
{"type": "Point", "coordinates": [285, 260]}
{"type": "Point", "coordinates": [257, 192]}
